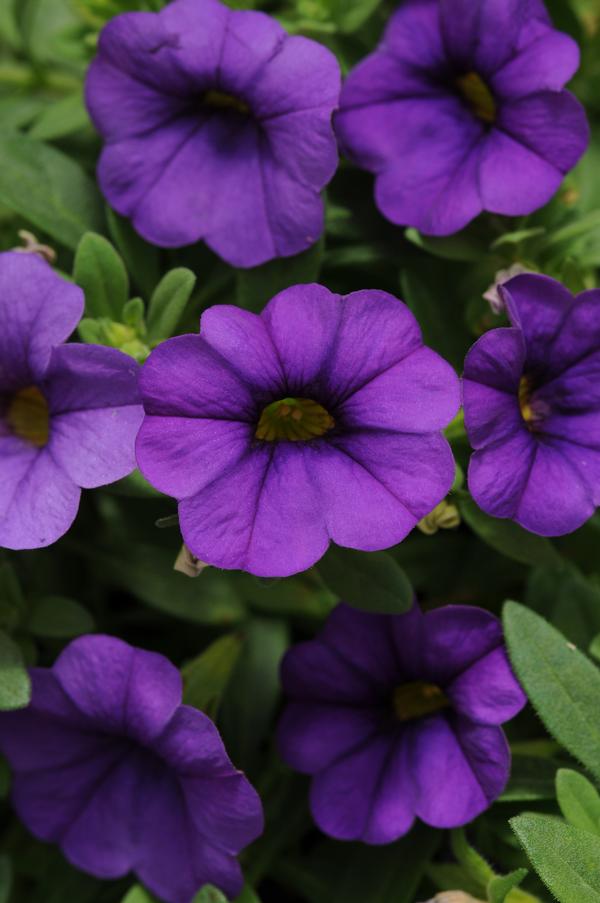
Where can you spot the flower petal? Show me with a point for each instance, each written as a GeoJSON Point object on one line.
{"type": "Point", "coordinates": [341, 796]}
{"type": "Point", "coordinates": [498, 473]}
{"type": "Point", "coordinates": [226, 811]}
{"type": "Point", "coordinates": [312, 671]}
{"type": "Point", "coordinates": [119, 688]}
{"type": "Point", "coordinates": [313, 736]}
{"type": "Point", "coordinates": [540, 307]}
{"type": "Point", "coordinates": [191, 745]}
{"type": "Point", "coordinates": [267, 521]}
{"type": "Point", "coordinates": [393, 805]}
{"type": "Point", "coordinates": [488, 691]}
{"type": "Point", "coordinates": [459, 769]}
{"type": "Point", "coordinates": [38, 501]}
{"type": "Point", "coordinates": [345, 631]}
{"type": "Point", "coordinates": [545, 64]}
{"type": "Point", "coordinates": [38, 310]}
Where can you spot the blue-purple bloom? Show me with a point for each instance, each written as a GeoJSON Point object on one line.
{"type": "Point", "coordinates": [318, 420]}
{"type": "Point", "coordinates": [69, 413]}
{"type": "Point", "coordinates": [532, 408]}
{"type": "Point", "coordinates": [461, 108]}
{"type": "Point", "coordinates": [110, 765]}
{"type": "Point", "coordinates": [217, 126]}
{"type": "Point", "coordinates": [398, 717]}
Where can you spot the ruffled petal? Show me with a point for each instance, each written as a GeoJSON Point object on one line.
{"type": "Point", "coordinates": [491, 415]}
{"type": "Point", "coordinates": [185, 377]}
{"type": "Point", "coordinates": [488, 691]}
{"type": "Point", "coordinates": [545, 64]}
{"type": "Point", "coordinates": [312, 736]}
{"type": "Point", "coordinates": [226, 811]}
{"type": "Point", "coordinates": [192, 746]}
{"type": "Point", "coordinates": [498, 473]}
{"type": "Point", "coordinates": [38, 501]}
{"type": "Point", "coordinates": [96, 412]}
{"type": "Point", "coordinates": [540, 307]}
{"type": "Point", "coordinates": [312, 671]}
{"type": "Point", "coordinates": [419, 395]}
{"type": "Point", "coordinates": [393, 804]}
{"type": "Point", "coordinates": [345, 631]}
{"type": "Point", "coordinates": [397, 479]}
{"type": "Point", "coordinates": [268, 520]}
{"type": "Point", "coordinates": [119, 688]}
{"type": "Point", "coordinates": [181, 455]}
{"type": "Point", "coordinates": [459, 769]}
{"type": "Point", "coordinates": [38, 310]}
{"type": "Point", "coordinates": [341, 796]}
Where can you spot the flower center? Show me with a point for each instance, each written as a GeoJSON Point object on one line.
{"type": "Point", "coordinates": [477, 94]}
{"type": "Point", "coordinates": [28, 416]}
{"type": "Point", "coordinates": [416, 699]}
{"type": "Point", "coordinates": [293, 419]}
{"type": "Point", "coordinates": [220, 100]}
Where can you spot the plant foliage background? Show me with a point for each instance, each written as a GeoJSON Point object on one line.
{"type": "Point", "coordinates": [114, 572]}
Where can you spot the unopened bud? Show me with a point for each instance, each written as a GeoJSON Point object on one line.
{"type": "Point", "coordinates": [444, 516]}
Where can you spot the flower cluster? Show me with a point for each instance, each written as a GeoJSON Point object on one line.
{"type": "Point", "coordinates": [318, 421]}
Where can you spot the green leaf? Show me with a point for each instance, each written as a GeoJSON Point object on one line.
{"type": "Point", "coordinates": [58, 616]}
{"type": "Point", "coordinates": [247, 896]}
{"type": "Point", "coordinates": [15, 686]}
{"type": "Point", "coordinates": [464, 246]}
{"type": "Point", "coordinates": [371, 581]}
{"type": "Point", "coordinates": [426, 293]}
{"type": "Point", "coordinates": [500, 886]}
{"type": "Point", "coordinates": [349, 15]}
{"type": "Point", "coordinates": [253, 692]}
{"type": "Point", "coordinates": [256, 286]}
{"type": "Point", "coordinates": [61, 118]}
{"type": "Point", "coordinates": [5, 879]}
{"type": "Point", "coordinates": [168, 303]}
{"type": "Point", "coordinates": [473, 863]}
{"type": "Point", "coordinates": [12, 603]}
{"type": "Point", "coordinates": [48, 189]}
{"type": "Point", "coordinates": [387, 874]}
{"type": "Point", "coordinates": [578, 800]}
{"type": "Point", "coordinates": [209, 894]}
{"type": "Point", "coordinates": [567, 859]}
{"type": "Point", "coordinates": [567, 599]}
{"type": "Point", "coordinates": [562, 684]}
{"type": "Point", "coordinates": [531, 778]}
{"type": "Point", "coordinates": [101, 273]}
{"type": "Point", "coordinates": [138, 894]}
{"type": "Point", "coordinates": [141, 258]}
{"type": "Point", "coordinates": [205, 678]}
{"type": "Point", "coordinates": [507, 537]}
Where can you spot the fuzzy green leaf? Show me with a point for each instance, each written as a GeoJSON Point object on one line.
{"type": "Point", "coordinates": [168, 303]}
{"type": "Point", "coordinates": [562, 684]}
{"type": "Point", "coordinates": [101, 273]}
{"type": "Point", "coordinates": [507, 537]}
{"type": "Point", "coordinates": [567, 859]}
{"type": "Point", "coordinates": [578, 800]}
{"type": "Point", "coordinates": [15, 686]}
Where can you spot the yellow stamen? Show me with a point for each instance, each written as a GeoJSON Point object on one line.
{"type": "Point", "coordinates": [478, 96]}
{"type": "Point", "coordinates": [524, 400]}
{"type": "Point", "coordinates": [416, 699]}
{"type": "Point", "coordinates": [28, 416]}
{"type": "Point", "coordinates": [293, 420]}
{"type": "Point", "coordinates": [223, 101]}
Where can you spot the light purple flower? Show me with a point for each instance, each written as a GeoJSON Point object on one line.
{"type": "Point", "coordinates": [318, 420]}
{"type": "Point", "coordinates": [532, 408]}
{"type": "Point", "coordinates": [397, 717]}
{"type": "Point", "coordinates": [461, 109]}
{"type": "Point", "coordinates": [217, 126]}
{"type": "Point", "coordinates": [69, 414]}
{"type": "Point", "coordinates": [110, 765]}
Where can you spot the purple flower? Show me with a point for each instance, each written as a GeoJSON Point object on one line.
{"type": "Point", "coordinates": [217, 126]}
{"type": "Point", "coordinates": [460, 109]}
{"type": "Point", "coordinates": [397, 717]}
{"type": "Point", "coordinates": [318, 420]}
{"type": "Point", "coordinates": [532, 408]}
{"type": "Point", "coordinates": [108, 763]}
{"type": "Point", "coordinates": [68, 413]}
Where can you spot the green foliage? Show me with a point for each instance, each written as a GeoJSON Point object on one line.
{"type": "Point", "coordinates": [58, 616]}
{"type": "Point", "coordinates": [205, 678]}
{"type": "Point", "coordinates": [562, 684]}
{"type": "Point", "coordinates": [101, 273]}
{"type": "Point", "coordinates": [370, 581]}
{"type": "Point", "coordinates": [500, 887]}
{"type": "Point", "coordinates": [256, 286]}
{"type": "Point", "coordinates": [508, 537]}
{"type": "Point", "coordinates": [168, 302]}
{"type": "Point", "coordinates": [48, 189]}
{"type": "Point", "coordinates": [579, 800]}
{"type": "Point", "coordinates": [15, 686]}
{"type": "Point", "coordinates": [567, 859]}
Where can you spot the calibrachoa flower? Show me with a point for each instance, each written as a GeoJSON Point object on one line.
{"type": "Point", "coordinates": [217, 126]}
{"type": "Point", "coordinates": [318, 420]}
{"type": "Point", "coordinates": [461, 109]}
{"type": "Point", "coordinates": [109, 764]}
{"type": "Point", "coordinates": [69, 414]}
{"type": "Point", "coordinates": [397, 717]}
{"type": "Point", "coordinates": [532, 408]}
